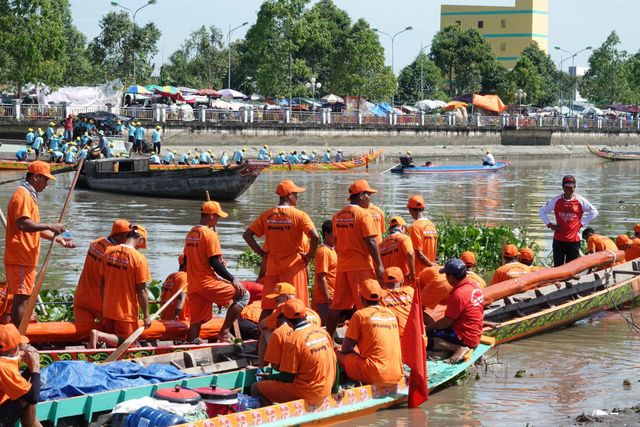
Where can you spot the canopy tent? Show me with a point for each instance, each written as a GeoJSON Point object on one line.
{"type": "Point", "coordinates": [230, 93]}
{"type": "Point", "coordinates": [428, 104]}
{"type": "Point", "coordinates": [139, 90]}
{"type": "Point", "coordinates": [381, 109]}
{"type": "Point", "coordinates": [467, 97]}
{"type": "Point", "coordinates": [625, 108]}
{"type": "Point", "coordinates": [454, 105]}
{"type": "Point", "coordinates": [256, 97]}
{"type": "Point", "coordinates": [167, 91]}
{"type": "Point", "coordinates": [489, 102]}
{"type": "Point", "coordinates": [209, 92]}
{"type": "Point", "coordinates": [592, 111]}
{"type": "Point", "coordinates": [83, 96]}
{"type": "Point", "coordinates": [332, 99]}
{"type": "Point", "coordinates": [187, 90]}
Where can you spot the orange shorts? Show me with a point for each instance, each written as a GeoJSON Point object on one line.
{"type": "Point", "coordinates": [121, 328]}
{"type": "Point", "coordinates": [345, 294]}
{"type": "Point", "coordinates": [85, 318]}
{"type": "Point", "coordinates": [5, 307]}
{"type": "Point", "coordinates": [354, 367]}
{"type": "Point", "coordinates": [20, 279]}
{"type": "Point", "coordinates": [296, 275]}
{"type": "Point", "coordinates": [278, 391]}
{"type": "Point", "coordinates": [219, 292]}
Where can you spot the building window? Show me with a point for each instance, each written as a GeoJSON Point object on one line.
{"type": "Point", "coordinates": [503, 46]}
{"type": "Point", "coordinates": [480, 24]}
{"type": "Point", "coordinates": [503, 23]}
{"type": "Point", "coordinates": [458, 23]}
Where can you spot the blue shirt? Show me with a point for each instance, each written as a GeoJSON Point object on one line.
{"type": "Point", "coordinates": [82, 155]}
{"type": "Point", "coordinates": [279, 159]}
{"type": "Point", "coordinates": [49, 132]}
{"type": "Point", "coordinates": [140, 133]}
{"type": "Point", "coordinates": [224, 159]}
{"type": "Point", "coordinates": [169, 157]}
{"type": "Point", "coordinates": [263, 154]}
{"type": "Point", "coordinates": [29, 138]}
{"type": "Point", "coordinates": [205, 158]}
{"type": "Point", "coordinates": [58, 155]}
{"type": "Point", "coordinates": [54, 144]}
{"type": "Point", "coordinates": [154, 159]}
{"type": "Point", "coordinates": [119, 128]}
{"type": "Point", "coordinates": [132, 130]}
{"type": "Point", "coordinates": [326, 158]}
{"type": "Point", "coordinates": [339, 157]}
{"type": "Point", "coordinates": [193, 161]}
{"type": "Point", "coordinates": [37, 143]}
{"type": "Point", "coordinates": [184, 157]}
{"type": "Point", "coordinates": [70, 156]}
{"type": "Point", "coordinates": [237, 156]}
{"type": "Point", "coordinates": [84, 140]}
{"type": "Point", "coordinates": [22, 154]}
{"type": "Point", "coordinates": [293, 159]}
{"type": "Point", "coordinates": [157, 137]}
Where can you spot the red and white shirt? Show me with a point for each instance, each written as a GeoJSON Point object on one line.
{"type": "Point", "coordinates": [571, 215]}
{"type": "Point", "coordinates": [466, 309]}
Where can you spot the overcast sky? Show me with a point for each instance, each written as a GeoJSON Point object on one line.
{"type": "Point", "coordinates": [573, 24]}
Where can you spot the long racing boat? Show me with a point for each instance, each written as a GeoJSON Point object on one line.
{"type": "Point", "coordinates": [605, 153]}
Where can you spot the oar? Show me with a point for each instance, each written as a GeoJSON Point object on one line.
{"type": "Point", "coordinates": [24, 322]}
{"type": "Point", "coordinates": [55, 172]}
{"type": "Point", "coordinates": [136, 334]}
{"type": "Point", "coordinates": [387, 170]}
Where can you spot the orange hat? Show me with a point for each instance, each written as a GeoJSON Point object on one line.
{"type": "Point", "coordinates": [622, 241]}
{"type": "Point", "coordinates": [40, 168]}
{"type": "Point", "coordinates": [282, 288]}
{"type": "Point", "coordinates": [370, 290]}
{"type": "Point", "coordinates": [416, 202]}
{"type": "Point", "coordinates": [526, 255]}
{"type": "Point", "coordinates": [213, 208]}
{"type": "Point", "coordinates": [143, 232]}
{"type": "Point", "coordinates": [360, 186]}
{"type": "Point", "coordinates": [294, 309]}
{"type": "Point", "coordinates": [469, 258]}
{"type": "Point", "coordinates": [510, 251]}
{"type": "Point", "coordinates": [636, 229]}
{"type": "Point", "coordinates": [393, 275]}
{"type": "Point", "coordinates": [10, 337]}
{"type": "Point", "coordinates": [120, 226]}
{"type": "Point", "coordinates": [397, 220]}
{"type": "Point", "coordinates": [287, 187]}
{"type": "Point", "coordinates": [181, 259]}
{"type": "Point", "coordinates": [431, 273]}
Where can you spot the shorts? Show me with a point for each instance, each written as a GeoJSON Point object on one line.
{"type": "Point", "coordinates": [296, 275]}
{"type": "Point", "coordinates": [445, 334]}
{"type": "Point", "coordinates": [354, 367]}
{"type": "Point", "coordinates": [218, 292]}
{"type": "Point", "coordinates": [4, 299]}
{"type": "Point", "coordinates": [120, 328]}
{"type": "Point", "coordinates": [85, 318]}
{"type": "Point", "coordinates": [131, 138]}
{"type": "Point", "coordinates": [345, 293]}
{"type": "Point", "coordinates": [278, 391]}
{"type": "Point", "coordinates": [10, 412]}
{"type": "Point", "coordinates": [20, 279]}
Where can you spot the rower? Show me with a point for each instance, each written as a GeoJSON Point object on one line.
{"type": "Point", "coordinates": [49, 132]}
{"type": "Point", "coordinates": [263, 154]}
{"type": "Point", "coordinates": [304, 158]}
{"type": "Point", "coordinates": [205, 158]}
{"type": "Point", "coordinates": [326, 262]}
{"type": "Point", "coordinates": [38, 144]}
{"type": "Point", "coordinates": [224, 159]}
{"type": "Point", "coordinates": [293, 158]}
{"type": "Point", "coordinates": [154, 159]}
{"type": "Point", "coordinates": [339, 156]}
{"type": "Point", "coordinates": [511, 267]}
{"type": "Point", "coordinates": [313, 156]}
{"type": "Point", "coordinates": [248, 320]}
{"type": "Point", "coordinates": [397, 296]}
{"type": "Point", "coordinates": [434, 290]}
{"type": "Point", "coordinates": [423, 233]}
{"type": "Point", "coordinates": [280, 159]}
{"type": "Point", "coordinates": [469, 259]}
{"type": "Point", "coordinates": [597, 242]}
{"type": "Point", "coordinates": [396, 250]}
{"type": "Point", "coordinates": [23, 154]}
{"type": "Point", "coordinates": [169, 158]}
{"type": "Point", "coordinates": [409, 159]}
{"type": "Point", "coordinates": [631, 247]}
{"type": "Point", "coordinates": [238, 156]}
{"type": "Point", "coordinates": [178, 310]}
{"type": "Point", "coordinates": [326, 157]}
{"type": "Point", "coordinates": [183, 158]}
{"type": "Point", "coordinates": [488, 159]}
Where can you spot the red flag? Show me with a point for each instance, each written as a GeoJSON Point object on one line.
{"type": "Point", "coordinates": [414, 353]}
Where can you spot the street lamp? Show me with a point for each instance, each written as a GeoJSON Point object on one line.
{"type": "Point", "coordinates": [149, 3]}
{"type": "Point", "coordinates": [313, 85]}
{"type": "Point", "coordinates": [422, 48]}
{"type": "Point", "coordinates": [231, 30]}
{"type": "Point", "coordinates": [393, 37]}
{"type": "Point", "coordinates": [520, 94]}
{"type": "Point", "coordinates": [573, 64]}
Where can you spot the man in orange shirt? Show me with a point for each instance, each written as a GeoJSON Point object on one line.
{"type": "Point", "coordinates": [631, 247]}
{"type": "Point", "coordinates": [23, 233]}
{"type": "Point", "coordinates": [358, 253]}
{"type": "Point", "coordinates": [469, 259]}
{"type": "Point", "coordinates": [374, 330]}
{"type": "Point", "coordinates": [208, 277]}
{"type": "Point", "coordinates": [597, 242]}
{"type": "Point", "coordinates": [178, 309]}
{"type": "Point", "coordinates": [124, 274]}
{"type": "Point", "coordinates": [326, 262]}
{"type": "Point", "coordinates": [87, 303]}
{"type": "Point", "coordinates": [284, 228]}
{"type": "Point", "coordinates": [377, 215]}
{"type": "Point", "coordinates": [396, 296]}
{"type": "Point", "coordinates": [19, 393]}
{"type": "Point", "coordinates": [423, 233]}
{"type": "Point", "coordinates": [510, 268]}
{"type": "Point", "coordinates": [526, 257]}
{"type": "Point", "coordinates": [434, 290]}
{"type": "Point", "coordinates": [248, 320]}
{"type": "Point", "coordinates": [396, 250]}
{"type": "Point", "coordinates": [307, 362]}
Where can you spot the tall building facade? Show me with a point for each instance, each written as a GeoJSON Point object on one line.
{"type": "Point", "coordinates": [507, 29]}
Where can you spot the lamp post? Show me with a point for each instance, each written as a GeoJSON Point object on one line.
{"type": "Point", "coordinates": [231, 30]}
{"type": "Point", "coordinates": [520, 94]}
{"type": "Point", "coordinates": [422, 48]}
{"type": "Point", "coordinates": [573, 64]}
{"type": "Point", "coordinates": [133, 14]}
{"type": "Point", "coordinates": [393, 37]}
{"type": "Point", "coordinates": [313, 85]}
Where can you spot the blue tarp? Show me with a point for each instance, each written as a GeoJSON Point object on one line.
{"type": "Point", "coordinates": [381, 109]}
{"type": "Point", "coordinates": [73, 378]}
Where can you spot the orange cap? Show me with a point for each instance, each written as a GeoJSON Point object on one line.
{"type": "Point", "coordinates": [622, 241]}
{"type": "Point", "coordinates": [469, 258]}
{"type": "Point", "coordinates": [510, 251]}
{"type": "Point", "coordinates": [287, 187]}
{"type": "Point", "coordinates": [120, 226]}
{"type": "Point", "coordinates": [416, 202]}
{"type": "Point", "coordinates": [282, 288]}
{"type": "Point", "coordinates": [370, 290]}
{"type": "Point", "coordinates": [636, 229]}
{"type": "Point", "coordinates": [526, 255]}
{"type": "Point", "coordinates": [393, 275]}
{"type": "Point", "coordinates": [143, 232]}
{"type": "Point", "coordinates": [430, 274]}
{"type": "Point", "coordinates": [294, 309]}
{"type": "Point", "coordinates": [397, 220]}
{"type": "Point", "coordinates": [10, 337]}
{"type": "Point", "coordinates": [213, 208]}
{"type": "Point", "coordinates": [360, 186]}
{"type": "Point", "coordinates": [40, 168]}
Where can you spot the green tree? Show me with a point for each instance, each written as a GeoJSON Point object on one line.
{"type": "Point", "coordinates": [420, 80]}
{"type": "Point", "coordinates": [80, 71]}
{"type": "Point", "coordinates": [632, 67]}
{"type": "Point", "coordinates": [606, 80]}
{"type": "Point", "coordinates": [537, 75]}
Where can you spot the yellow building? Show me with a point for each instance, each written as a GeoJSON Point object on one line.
{"type": "Point", "coordinates": [507, 29]}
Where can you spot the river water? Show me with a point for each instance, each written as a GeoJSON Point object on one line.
{"type": "Point", "coordinates": [574, 370]}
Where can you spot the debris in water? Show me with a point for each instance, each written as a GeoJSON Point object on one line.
{"type": "Point", "coordinates": [520, 373]}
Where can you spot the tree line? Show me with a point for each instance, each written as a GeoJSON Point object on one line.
{"type": "Point", "coordinates": [291, 42]}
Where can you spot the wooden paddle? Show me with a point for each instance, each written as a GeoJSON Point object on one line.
{"type": "Point", "coordinates": [24, 322]}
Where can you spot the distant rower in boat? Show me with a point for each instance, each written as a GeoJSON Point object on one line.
{"type": "Point", "coordinates": [238, 156]}
{"type": "Point", "coordinates": [179, 309]}
{"type": "Point", "coordinates": [280, 159]}
{"type": "Point", "coordinates": [397, 296]}
{"type": "Point", "coordinates": [154, 159]}
{"type": "Point", "coordinates": [396, 250]}
{"type": "Point", "coordinates": [572, 212]}
{"type": "Point", "coordinates": [423, 233]}
{"type": "Point", "coordinates": [526, 257]}
{"type": "Point", "coordinates": [469, 259]}
{"type": "Point", "coordinates": [22, 155]}
{"type": "Point", "coordinates": [511, 267]}
{"type": "Point", "coordinates": [339, 156]}
{"type": "Point", "coordinates": [631, 247]}
{"type": "Point", "coordinates": [488, 159]}
{"type": "Point", "coordinates": [326, 262]}
{"type": "Point", "coordinates": [263, 154]}
{"type": "Point", "coordinates": [169, 158]}
{"type": "Point", "coordinates": [326, 157]}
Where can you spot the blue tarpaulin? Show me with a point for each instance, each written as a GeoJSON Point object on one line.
{"type": "Point", "coordinates": [381, 109]}
{"type": "Point", "coordinates": [74, 378]}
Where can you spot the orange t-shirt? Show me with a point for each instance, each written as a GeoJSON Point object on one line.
{"type": "Point", "coordinates": [283, 228]}
{"type": "Point", "coordinates": [350, 226]}
{"type": "Point", "coordinates": [12, 385]}
{"type": "Point", "coordinates": [122, 268]}
{"type": "Point", "coordinates": [424, 237]}
{"type": "Point", "coordinates": [633, 251]}
{"type": "Point", "coordinates": [399, 302]}
{"type": "Point", "coordinates": [308, 354]}
{"type": "Point", "coordinates": [88, 290]}
{"type": "Point", "coordinates": [375, 329]}
{"type": "Point", "coordinates": [21, 247]}
{"type": "Point", "coordinates": [271, 321]}
{"type": "Point", "coordinates": [476, 278]}
{"type": "Point", "coordinates": [325, 262]}
{"type": "Point", "coordinates": [378, 219]}
{"type": "Point", "coordinates": [273, 353]}
{"type": "Point", "coordinates": [433, 291]}
{"type": "Point", "coordinates": [394, 249]}
{"type": "Point", "coordinates": [171, 284]}
{"type": "Point", "coordinates": [598, 243]}
{"type": "Point", "coordinates": [201, 244]}
{"type": "Point", "coordinates": [509, 271]}
{"type": "Point", "coordinates": [252, 312]}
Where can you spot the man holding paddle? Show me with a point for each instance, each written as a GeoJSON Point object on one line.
{"type": "Point", "coordinates": [23, 233]}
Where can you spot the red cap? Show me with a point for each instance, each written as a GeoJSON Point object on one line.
{"type": "Point", "coordinates": [393, 275]}
{"type": "Point", "coordinates": [526, 255]}
{"type": "Point", "coordinates": [469, 258]}
{"type": "Point", "coordinates": [294, 309]}
{"type": "Point", "coordinates": [120, 226]}
{"type": "Point", "coordinates": [287, 187]}
{"type": "Point", "coordinates": [40, 168]}
{"type": "Point", "coordinates": [510, 251]}
{"type": "Point", "coordinates": [416, 202]}
{"type": "Point", "coordinates": [360, 186]}
{"type": "Point", "coordinates": [370, 290]}
{"type": "Point", "coordinates": [10, 337]}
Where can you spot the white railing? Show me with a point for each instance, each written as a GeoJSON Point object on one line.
{"type": "Point", "coordinates": [6, 110]}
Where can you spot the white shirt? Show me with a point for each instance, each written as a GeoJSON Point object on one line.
{"type": "Point", "coordinates": [489, 159]}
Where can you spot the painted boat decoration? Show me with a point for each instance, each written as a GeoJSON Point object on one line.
{"type": "Point", "coordinates": [605, 153]}
{"type": "Point", "coordinates": [418, 170]}
{"type": "Point", "coordinates": [14, 165]}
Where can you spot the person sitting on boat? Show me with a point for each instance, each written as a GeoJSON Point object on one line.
{"type": "Point", "coordinates": [307, 363]}
{"type": "Point", "coordinates": [29, 137]}
{"type": "Point", "coordinates": [293, 158]}
{"type": "Point", "coordinates": [154, 159]}
{"type": "Point", "coordinates": [434, 290]}
{"type": "Point", "coordinates": [156, 137]}
{"type": "Point", "coordinates": [597, 242]}
{"type": "Point", "coordinates": [326, 157]}
{"type": "Point", "coordinates": [209, 280]}
{"type": "Point", "coordinates": [304, 158]}
{"type": "Point", "coordinates": [428, 164]}
{"type": "Point", "coordinates": [38, 144]}
{"type": "Point", "coordinates": [70, 155]}
{"type": "Point", "coordinates": [374, 330]}
{"type": "Point", "coordinates": [248, 320]}
{"type": "Point", "coordinates": [631, 247]}
{"type": "Point", "coordinates": [469, 259]}
{"type": "Point", "coordinates": [397, 295]}
{"type": "Point", "coordinates": [263, 154]}
{"type": "Point", "coordinates": [339, 156]}
{"type": "Point", "coordinates": [179, 309]}
{"type": "Point", "coordinates": [224, 159]}
{"type": "Point", "coordinates": [56, 156]}
{"type": "Point", "coordinates": [23, 154]}
{"type": "Point", "coordinates": [313, 156]}
{"type": "Point", "coordinates": [124, 274]}
{"type": "Point", "coordinates": [325, 263]}
{"type": "Point", "coordinates": [238, 156]}
{"type": "Point", "coordinates": [461, 327]}
{"type": "Point", "coordinates": [396, 250]}
{"type": "Point", "coordinates": [488, 159]}
{"type": "Point", "coordinates": [280, 159]}
{"type": "Point", "coordinates": [19, 392]}
{"type": "Point", "coordinates": [169, 158]}
{"type": "Point", "coordinates": [423, 233]}
{"type": "Point", "coordinates": [205, 158]}
{"type": "Point", "coordinates": [511, 267]}
{"type": "Point", "coordinates": [183, 158]}
{"type": "Point", "coordinates": [526, 257]}
{"type": "Point", "coordinates": [193, 160]}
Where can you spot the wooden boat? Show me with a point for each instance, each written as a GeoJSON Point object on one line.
{"type": "Point", "coordinates": [417, 170]}
{"type": "Point", "coordinates": [14, 165]}
{"type": "Point", "coordinates": [135, 176]}
{"type": "Point", "coordinates": [614, 155]}
{"type": "Point", "coordinates": [358, 162]}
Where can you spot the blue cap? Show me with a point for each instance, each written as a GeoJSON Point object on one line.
{"type": "Point", "coordinates": [456, 267]}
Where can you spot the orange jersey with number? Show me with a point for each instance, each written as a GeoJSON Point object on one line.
{"type": "Point", "coordinates": [424, 237]}
{"type": "Point", "coordinates": [350, 226]}
{"type": "Point", "coordinates": [394, 249]}
{"type": "Point", "coordinates": [201, 244]}
{"type": "Point", "coordinates": [21, 247]}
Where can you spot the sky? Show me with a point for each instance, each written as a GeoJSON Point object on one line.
{"type": "Point", "coordinates": [573, 24]}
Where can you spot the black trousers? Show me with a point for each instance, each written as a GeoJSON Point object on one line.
{"type": "Point", "coordinates": [563, 252]}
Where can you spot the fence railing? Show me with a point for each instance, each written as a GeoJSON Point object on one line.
{"type": "Point", "coordinates": [6, 110]}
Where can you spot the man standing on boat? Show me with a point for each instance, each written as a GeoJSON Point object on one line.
{"type": "Point", "coordinates": [423, 233]}
{"type": "Point", "coordinates": [572, 212]}
{"type": "Point", "coordinates": [23, 233]}
{"type": "Point", "coordinates": [157, 140]}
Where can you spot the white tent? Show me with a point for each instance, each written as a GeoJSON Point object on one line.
{"type": "Point", "coordinates": [84, 96]}
{"type": "Point", "coordinates": [230, 93]}
{"type": "Point", "coordinates": [332, 99]}
{"type": "Point", "coordinates": [430, 104]}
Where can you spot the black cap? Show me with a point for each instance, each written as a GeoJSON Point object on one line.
{"type": "Point", "coordinates": [455, 267]}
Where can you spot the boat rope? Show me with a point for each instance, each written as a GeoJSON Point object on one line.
{"type": "Point", "coordinates": [608, 272]}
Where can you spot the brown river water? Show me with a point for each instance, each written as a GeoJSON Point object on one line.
{"type": "Point", "coordinates": [571, 371]}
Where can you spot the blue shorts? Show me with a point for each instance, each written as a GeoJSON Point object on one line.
{"type": "Point", "coordinates": [445, 334]}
